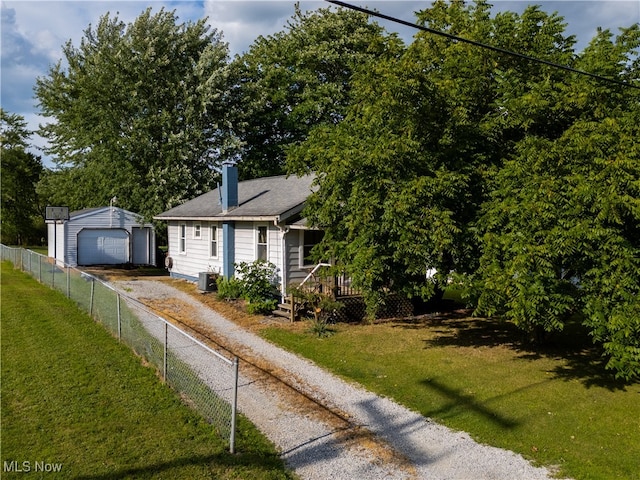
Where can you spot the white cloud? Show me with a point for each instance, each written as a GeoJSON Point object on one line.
{"type": "Point", "coordinates": [242, 22]}
{"type": "Point", "coordinates": [34, 32]}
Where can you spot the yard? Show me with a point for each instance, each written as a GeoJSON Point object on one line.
{"type": "Point", "coordinates": [77, 402]}
{"type": "Point", "coordinates": [557, 406]}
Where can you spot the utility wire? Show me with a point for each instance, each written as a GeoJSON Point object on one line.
{"type": "Point", "coordinates": [481, 45]}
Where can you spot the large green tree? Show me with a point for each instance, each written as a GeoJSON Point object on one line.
{"type": "Point", "coordinates": [296, 79]}
{"type": "Point", "coordinates": [402, 179]}
{"type": "Point", "coordinates": [20, 209]}
{"type": "Point", "coordinates": [137, 112]}
{"type": "Point", "coordinates": [561, 232]}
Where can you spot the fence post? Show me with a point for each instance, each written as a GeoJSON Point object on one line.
{"type": "Point", "coordinates": [119, 318]}
{"type": "Point", "coordinates": [93, 284]}
{"type": "Point", "coordinates": [166, 338]}
{"type": "Point", "coordinates": [234, 407]}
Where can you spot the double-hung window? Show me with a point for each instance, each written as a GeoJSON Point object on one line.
{"type": "Point", "coordinates": [197, 231]}
{"type": "Point", "coordinates": [183, 237]}
{"type": "Point", "coordinates": [213, 243]}
{"type": "Point", "coordinates": [262, 244]}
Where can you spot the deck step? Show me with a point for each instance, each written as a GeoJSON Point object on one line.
{"type": "Point", "coordinates": [282, 313]}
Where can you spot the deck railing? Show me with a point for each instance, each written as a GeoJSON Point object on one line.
{"type": "Point", "coordinates": [321, 280]}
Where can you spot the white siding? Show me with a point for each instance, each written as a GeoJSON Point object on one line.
{"type": "Point", "coordinates": [67, 238]}
{"type": "Point", "coordinates": [196, 257]}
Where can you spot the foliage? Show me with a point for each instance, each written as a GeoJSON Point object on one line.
{"type": "Point", "coordinates": [321, 305]}
{"type": "Point", "coordinates": [137, 113]}
{"type": "Point", "coordinates": [229, 288]}
{"type": "Point", "coordinates": [516, 175]}
{"type": "Point", "coordinates": [262, 307]}
{"type": "Point", "coordinates": [289, 82]}
{"type": "Point", "coordinates": [258, 280]}
{"type": "Point", "coordinates": [255, 283]}
{"type": "Point", "coordinates": [22, 212]}
{"type": "Point", "coordinates": [402, 180]}
{"type": "Point", "coordinates": [561, 230]}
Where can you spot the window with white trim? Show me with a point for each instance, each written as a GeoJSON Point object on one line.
{"type": "Point", "coordinates": [310, 238]}
{"type": "Point", "coordinates": [197, 231]}
{"type": "Point", "coordinates": [213, 241]}
{"type": "Point", "coordinates": [262, 244]}
{"type": "Point", "coordinates": [183, 237]}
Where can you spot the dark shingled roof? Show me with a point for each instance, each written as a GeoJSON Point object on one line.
{"type": "Point", "coordinates": [269, 198]}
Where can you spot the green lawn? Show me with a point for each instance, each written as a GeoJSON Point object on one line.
{"type": "Point", "coordinates": [557, 407]}
{"type": "Point", "coordinates": [72, 396]}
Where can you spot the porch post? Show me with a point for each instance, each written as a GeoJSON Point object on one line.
{"type": "Point", "coordinates": [228, 249]}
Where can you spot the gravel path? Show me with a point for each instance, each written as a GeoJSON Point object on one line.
{"type": "Point", "coordinates": [328, 428]}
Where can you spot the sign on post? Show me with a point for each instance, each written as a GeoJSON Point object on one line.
{"type": "Point", "coordinates": [57, 213]}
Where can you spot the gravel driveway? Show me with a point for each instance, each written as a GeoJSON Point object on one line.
{"type": "Point", "coordinates": [326, 427]}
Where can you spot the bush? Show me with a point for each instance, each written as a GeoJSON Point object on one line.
{"type": "Point", "coordinates": [257, 280]}
{"type": "Point", "coordinates": [229, 289]}
{"type": "Point", "coordinates": [263, 307]}
{"type": "Point", "coordinates": [255, 283]}
{"type": "Point", "coordinates": [323, 308]}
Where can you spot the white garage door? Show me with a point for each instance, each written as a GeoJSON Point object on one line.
{"type": "Point", "coordinates": [108, 246]}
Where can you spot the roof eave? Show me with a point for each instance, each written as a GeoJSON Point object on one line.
{"type": "Point", "coordinates": [222, 218]}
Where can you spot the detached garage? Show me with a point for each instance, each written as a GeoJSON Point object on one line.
{"type": "Point", "coordinates": [102, 236]}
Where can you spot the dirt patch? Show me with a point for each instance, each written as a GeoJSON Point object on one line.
{"type": "Point", "coordinates": [110, 273]}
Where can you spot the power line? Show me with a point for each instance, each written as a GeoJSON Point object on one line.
{"type": "Point", "coordinates": [481, 45]}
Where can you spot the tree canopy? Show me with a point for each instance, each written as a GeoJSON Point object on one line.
{"type": "Point", "coordinates": [403, 178]}
{"type": "Point", "coordinates": [296, 79]}
{"type": "Point", "coordinates": [517, 177]}
{"type": "Point", "coordinates": [561, 230]}
{"type": "Point", "coordinates": [137, 112]}
{"type": "Point", "coordinates": [21, 212]}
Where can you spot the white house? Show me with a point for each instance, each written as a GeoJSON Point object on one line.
{"type": "Point", "coordinates": [242, 222]}
{"type": "Point", "coordinates": [102, 236]}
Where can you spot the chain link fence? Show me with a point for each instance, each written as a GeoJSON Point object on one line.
{"type": "Point", "coordinates": [205, 379]}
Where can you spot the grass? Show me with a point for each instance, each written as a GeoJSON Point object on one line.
{"type": "Point", "coordinates": [558, 407]}
{"type": "Point", "coordinates": [73, 396]}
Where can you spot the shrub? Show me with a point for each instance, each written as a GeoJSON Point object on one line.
{"type": "Point", "coordinates": [322, 306]}
{"type": "Point", "coordinates": [263, 307]}
{"type": "Point", "coordinates": [258, 280]}
{"type": "Point", "coordinates": [255, 283]}
{"type": "Point", "coordinates": [229, 289]}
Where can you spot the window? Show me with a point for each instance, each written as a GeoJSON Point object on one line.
{"type": "Point", "coordinates": [310, 238]}
{"type": "Point", "coordinates": [197, 231]}
{"type": "Point", "coordinates": [213, 249]}
{"type": "Point", "coordinates": [262, 246]}
{"type": "Point", "coordinates": [183, 237]}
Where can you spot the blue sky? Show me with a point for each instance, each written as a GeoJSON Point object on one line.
{"type": "Point", "coordinates": [34, 31]}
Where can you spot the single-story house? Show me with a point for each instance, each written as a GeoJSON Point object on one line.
{"type": "Point", "coordinates": [102, 236]}
{"type": "Point", "coordinates": [243, 222]}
